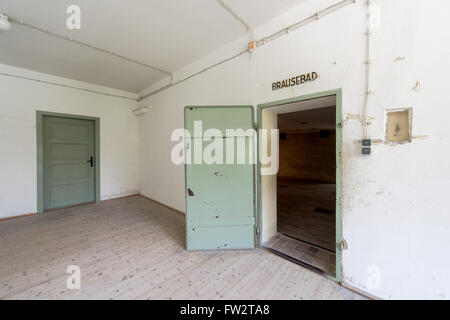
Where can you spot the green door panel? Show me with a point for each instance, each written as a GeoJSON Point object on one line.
{"type": "Point", "coordinates": [221, 238]}
{"type": "Point", "coordinates": [220, 196]}
{"type": "Point", "coordinates": [220, 192]}
{"type": "Point", "coordinates": [220, 118]}
{"type": "Point", "coordinates": [67, 146]}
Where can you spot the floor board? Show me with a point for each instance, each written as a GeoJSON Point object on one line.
{"type": "Point", "coordinates": [133, 248]}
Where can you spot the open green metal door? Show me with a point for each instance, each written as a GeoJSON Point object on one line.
{"type": "Point", "coordinates": [220, 195]}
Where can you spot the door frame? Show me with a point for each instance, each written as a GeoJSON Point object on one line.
{"type": "Point", "coordinates": [339, 237]}
{"type": "Point", "coordinates": [40, 153]}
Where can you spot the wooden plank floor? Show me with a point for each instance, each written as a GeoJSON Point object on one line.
{"type": "Point", "coordinates": [133, 248]}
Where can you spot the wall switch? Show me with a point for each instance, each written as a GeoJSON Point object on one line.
{"type": "Point", "coordinates": [367, 142]}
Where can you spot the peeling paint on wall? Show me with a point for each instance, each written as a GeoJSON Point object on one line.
{"type": "Point", "coordinates": [416, 87]}
{"type": "Point", "coordinates": [421, 137]}
{"type": "Point", "coordinates": [358, 117]}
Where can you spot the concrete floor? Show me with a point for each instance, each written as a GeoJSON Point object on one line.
{"type": "Point", "coordinates": [306, 222]}
{"type": "Point", "coordinates": [319, 259]}
{"type": "Point", "coordinates": [306, 211]}
{"type": "Point", "coordinates": [133, 248]}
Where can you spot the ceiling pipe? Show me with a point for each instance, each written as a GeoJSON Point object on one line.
{"type": "Point", "coordinates": [368, 64]}
{"type": "Point", "coordinates": [237, 17]}
{"type": "Point", "coordinates": [315, 17]}
{"type": "Point", "coordinates": [90, 46]}
{"type": "Point", "coordinates": [263, 41]}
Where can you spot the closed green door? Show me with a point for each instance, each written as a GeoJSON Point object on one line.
{"type": "Point", "coordinates": [69, 161]}
{"type": "Point", "coordinates": [220, 196]}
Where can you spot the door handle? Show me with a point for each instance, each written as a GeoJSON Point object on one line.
{"type": "Point", "coordinates": [91, 161]}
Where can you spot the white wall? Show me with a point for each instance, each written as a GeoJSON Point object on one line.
{"type": "Point", "coordinates": [395, 203]}
{"type": "Point", "coordinates": [21, 98]}
{"type": "Point", "coordinates": [395, 212]}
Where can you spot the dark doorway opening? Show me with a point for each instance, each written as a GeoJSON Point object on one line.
{"type": "Point", "coordinates": [306, 188]}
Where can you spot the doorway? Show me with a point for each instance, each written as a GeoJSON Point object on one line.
{"type": "Point", "coordinates": [299, 214]}
{"type": "Point", "coordinates": [67, 162]}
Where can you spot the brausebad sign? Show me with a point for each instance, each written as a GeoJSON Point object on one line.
{"type": "Point", "coordinates": [295, 81]}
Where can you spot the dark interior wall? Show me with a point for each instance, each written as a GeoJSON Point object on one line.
{"type": "Point", "coordinates": [308, 156]}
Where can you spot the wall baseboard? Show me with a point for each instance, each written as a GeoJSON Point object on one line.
{"type": "Point", "coordinates": [76, 205]}
{"type": "Point", "coordinates": [359, 291]}
{"type": "Point", "coordinates": [18, 217]}
{"type": "Point", "coordinates": [164, 205]}
{"type": "Point", "coordinates": [121, 197]}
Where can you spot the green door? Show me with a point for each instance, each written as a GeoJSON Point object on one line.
{"type": "Point", "coordinates": [220, 196]}
{"type": "Point", "coordinates": [69, 161]}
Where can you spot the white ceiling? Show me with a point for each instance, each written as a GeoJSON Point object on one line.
{"type": "Point", "coordinates": [168, 34]}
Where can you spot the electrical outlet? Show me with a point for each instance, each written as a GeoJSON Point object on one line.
{"type": "Point", "coordinates": [366, 150]}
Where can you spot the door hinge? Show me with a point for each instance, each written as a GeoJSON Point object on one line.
{"type": "Point", "coordinates": [255, 127]}
{"type": "Point", "coordinates": [257, 231]}
{"type": "Point", "coordinates": [342, 245]}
